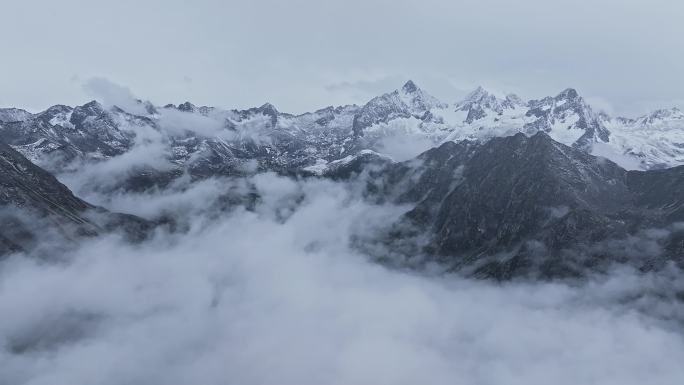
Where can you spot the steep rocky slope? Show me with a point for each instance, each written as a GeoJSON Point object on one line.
{"type": "Point", "coordinates": [36, 207]}
{"type": "Point", "coordinates": [523, 205]}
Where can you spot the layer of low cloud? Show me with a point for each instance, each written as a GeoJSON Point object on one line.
{"type": "Point", "coordinates": [279, 295]}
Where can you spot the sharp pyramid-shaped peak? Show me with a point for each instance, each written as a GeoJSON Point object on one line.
{"type": "Point", "coordinates": [91, 108]}
{"type": "Point", "coordinates": [481, 95]}
{"type": "Point", "coordinates": [568, 99]}
{"type": "Point", "coordinates": [477, 94]}
{"type": "Point", "coordinates": [416, 99]}
{"type": "Point", "coordinates": [269, 109]}
{"type": "Point", "coordinates": [187, 107]}
{"type": "Point", "coordinates": [93, 104]}
{"type": "Point", "coordinates": [405, 102]}
{"type": "Point", "coordinates": [568, 94]}
{"type": "Point", "coordinates": [410, 87]}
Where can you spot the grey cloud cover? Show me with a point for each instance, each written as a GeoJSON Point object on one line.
{"type": "Point", "coordinates": [302, 54]}
{"type": "Point", "coordinates": [280, 293]}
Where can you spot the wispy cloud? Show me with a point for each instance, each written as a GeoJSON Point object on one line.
{"type": "Point", "coordinates": [280, 287]}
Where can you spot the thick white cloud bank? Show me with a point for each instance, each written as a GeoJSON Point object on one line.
{"type": "Point", "coordinates": [278, 296]}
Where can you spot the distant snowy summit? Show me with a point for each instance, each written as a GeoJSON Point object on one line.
{"type": "Point", "coordinates": [207, 141]}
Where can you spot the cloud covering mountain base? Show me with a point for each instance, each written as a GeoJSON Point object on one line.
{"type": "Point", "coordinates": [279, 295]}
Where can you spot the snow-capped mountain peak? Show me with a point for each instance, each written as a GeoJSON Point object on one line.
{"type": "Point", "coordinates": [481, 103]}
{"type": "Point", "coordinates": [482, 96]}
{"type": "Point", "coordinates": [187, 107]}
{"type": "Point", "coordinates": [417, 100]}
{"type": "Point", "coordinates": [661, 115]}
{"type": "Point", "coordinates": [654, 140]}
{"type": "Point", "coordinates": [406, 115]}
{"type": "Point", "coordinates": [268, 109]}
{"type": "Point", "coordinates": [568, 94]}
{"type": "Point", "coordinates": [58, 115]}
{"type": "Point", "coordinates": [409, 87]}
{"type": "Point", "coordinates": [567, 118]}
{"type": "Point", "coordinates": [476, 96]}
{"type": "Point", "coordinates": [406, 102]}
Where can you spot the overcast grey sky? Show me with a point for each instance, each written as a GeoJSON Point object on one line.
{"type": "Point", "coordinates": [622, 55]}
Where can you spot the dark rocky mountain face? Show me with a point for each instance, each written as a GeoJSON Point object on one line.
{"type": "Point", "coordinates": [531, 206]}
{"type": "Point", "coordinates": [660, 190]}
{"type": "Point", "coordinates": [34, 202]}
{"type": "Point", "coordinates": [491, 205]}
{"type": "Point", "coordinates": [62, 134]}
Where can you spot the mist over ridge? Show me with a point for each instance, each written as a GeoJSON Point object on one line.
{"type": "Point", "coordinates": [346, 192]}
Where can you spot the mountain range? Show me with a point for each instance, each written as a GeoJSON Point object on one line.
{"type": "Point", "coordinates": [498, 186]}
{"type": "Point", "coordinates": [208, 140]}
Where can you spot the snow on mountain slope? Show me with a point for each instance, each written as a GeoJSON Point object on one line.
{"type": "Point", "coordinates": [651, 141]}
{"type": "Point", "coordinates": [480, 102]}
{"type": "Point", "coordinates": [62, 133]}
{"type": "Point", "coordinates": [418, 100]}
{"type": "Point", "coordinates": [482, 116]}
{"type": "Point", "coordinates": [567, 119]}
{"type": "Point", "coordinates": [13, 115]}
{"type": "Point", "coordinates": [208, 141]}
{"type": "Point", "coordinates": [409, 101]}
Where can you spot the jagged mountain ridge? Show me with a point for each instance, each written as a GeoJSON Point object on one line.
{"type": "Point", "coordinates": [519, 205]}
{"type": "Point", "coordinates": [502, 208]}
{"type": "Point", "coordinates": [206, 141]}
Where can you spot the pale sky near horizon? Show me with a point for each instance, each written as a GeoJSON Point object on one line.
{"type": "Point", "coordinates": [623, 56]}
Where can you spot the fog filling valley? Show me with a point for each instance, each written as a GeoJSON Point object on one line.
{"type": "Point", "coordinates": [281, 293]}
{"type": "Point", "coordinates": [354, 192]}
